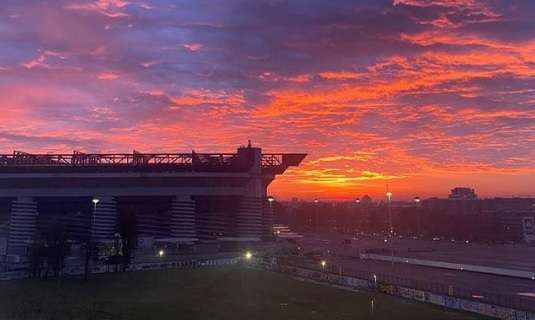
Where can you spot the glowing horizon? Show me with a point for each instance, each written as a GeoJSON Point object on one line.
{"type": "Point", "coordinates": [422, 95]}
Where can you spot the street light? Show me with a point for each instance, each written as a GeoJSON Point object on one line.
{"type": "Point", "coordinates": [316, 201]}
{"type": "Point", "coordinates": [389, 198]}
{"type": "Point", "coordinates": [417, 203]}
{"type": "Point", "coordinates": [95, 203]}
{"type": "Point", "coordinates": [355, 225]}
{"type": "Point", "coordinates": [89, 240]}
{"type": "Point", "coordinates": [270, 199]}
{"type": "Point", "coordinates": [323, 264]}
{"type": "Point", "coordinates": [161, 253]}
{"type": "Point", "coordinates": [248, 255]}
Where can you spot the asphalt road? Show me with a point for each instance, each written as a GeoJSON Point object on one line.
{"type": "Point", "coordinates": [517, 257]}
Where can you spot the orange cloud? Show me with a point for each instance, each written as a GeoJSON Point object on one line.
{"type": "Point", "coordinates": [107, 76]}
{"type": "Point", "coordinates": [109, 8]}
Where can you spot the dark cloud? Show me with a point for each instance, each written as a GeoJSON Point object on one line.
{"type": "Point", "coordinates": [415, 85]}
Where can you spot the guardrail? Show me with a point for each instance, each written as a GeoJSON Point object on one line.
{"type": "Point", "coordinates": [469, 294]}
{"type": "Point", "coordinates": [453, 266]}
{"type": "Point", "coordinates": [384, 285]}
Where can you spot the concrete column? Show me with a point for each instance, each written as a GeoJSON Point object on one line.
{"type": "Point", "coordinates": [267, 220]}
{"type": "Point", "coordinates": [249, 218]}
{"type": "Point", "coordinates": [23, 222]}
{"type": "Point", "coordinates": [104, 220]}
{"type": "Point", "coordinates": [183, 219]}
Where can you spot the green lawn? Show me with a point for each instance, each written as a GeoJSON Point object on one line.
{"type": "Point", "coordinates": [207, 293]}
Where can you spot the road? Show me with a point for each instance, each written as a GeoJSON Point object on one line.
{"type": "Point", "coordinates": [517, 257]}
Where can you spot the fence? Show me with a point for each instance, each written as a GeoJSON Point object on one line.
{"type": "Point", "coordinates": [79, 270]}
{"type": "Point", "coordinates": [493, 298]}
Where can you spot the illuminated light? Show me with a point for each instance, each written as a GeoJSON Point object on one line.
{"type": "Point", "coordinates": [95, 201]}
{"type": "Point", "coordinates": [161, 253]}
{"type": "Point", "coordinates": [389, 194]}
{"type": "Point", "coordinates": [323, 263]}
{"type": "Point", "coordinates": [316, 201]}
{"type": "Point", "coordinates": [385, 240]}
{"type": "Point", "coordinates": [270, 199]}
{"type": "Point", "coordinates": [248, 255]}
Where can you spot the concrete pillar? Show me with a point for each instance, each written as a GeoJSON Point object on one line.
{"type": "Point", "coordinates": [249, 218]}
{"type": "Point", "coordinates": [267, 220]}
{"type": "Point", "coordinates": [183, 219]}
{"type": "Point", "coordinates": [23, 222]}
{"type": "Point", "coordinates": [104, 220]}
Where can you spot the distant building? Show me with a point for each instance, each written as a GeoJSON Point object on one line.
{"type": "Point", "coordinates": [512, 216]}
{"type": "Point", "coordinates": [366, 200]}
{"type": "Point", "coordinates": [462, 193]}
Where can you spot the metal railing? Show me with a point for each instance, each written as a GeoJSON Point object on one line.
{"type": "Point", "coordinates": [137, 159]}
{"type": "Point", "coordinates": [500, 299]}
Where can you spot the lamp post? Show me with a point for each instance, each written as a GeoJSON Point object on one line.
{"type": "Point", "coordinates": [316, 222]}
{"type": "Point", "coordinates": [271, 215]}
{"type": "Point", "coordinates": [89, 241]}
{"type": "Point", "coordinates": [389, 202]}
{"type": "Point", "coordinates": [95, 203]}
{"type": "Point", "coordinates": [391, 231]}
{"type": "Point", "coordinates": [417, 203]}
{"type": "Point", "coordinates": [357, 207]}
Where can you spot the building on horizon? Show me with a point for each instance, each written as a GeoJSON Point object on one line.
{"type": "Point", "coordinates": [462, 193]}
{"type": "Point", "coordinates": [507, 218]}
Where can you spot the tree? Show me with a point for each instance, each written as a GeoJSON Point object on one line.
{"type": "Point", "coordinates": [57, 248]}
{"type": "Point", "coordinates": [127, 228]}
{"type": "Point", "coordinates": [37, 258]}
{"type": "Point", "coordinates": [90, 253]}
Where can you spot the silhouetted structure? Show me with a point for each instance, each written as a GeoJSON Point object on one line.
{"type": "Point", "coordinates": [185, 198]}
{"type": "Point", "coordinates": [462, 193]}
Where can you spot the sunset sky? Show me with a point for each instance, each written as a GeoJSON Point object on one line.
{"type": "Point", "coordinates": [423, 95]}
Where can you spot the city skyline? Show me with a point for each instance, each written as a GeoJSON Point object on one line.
{"type": "Point", "coordinates": [422, 95]}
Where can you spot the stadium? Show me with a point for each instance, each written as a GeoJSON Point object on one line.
{"type": "Point", "coordinates": [185, 199]}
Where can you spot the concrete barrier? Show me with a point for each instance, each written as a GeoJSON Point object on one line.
{"type": "Point", "coordinates": [452, 266]}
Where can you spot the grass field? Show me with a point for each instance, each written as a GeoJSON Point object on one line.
{"type": "Point", "coordinates": [205, 293]}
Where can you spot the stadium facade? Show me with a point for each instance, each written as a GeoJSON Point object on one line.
{"type": "Point", "coordinates": [189, 198]}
